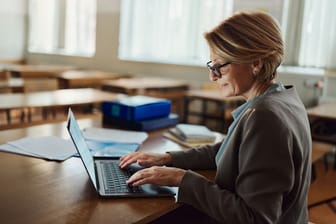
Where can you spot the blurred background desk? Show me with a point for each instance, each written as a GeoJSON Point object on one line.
{"type": "Point", "coordinates": [323, 126]}
{"type": "Point", "coordinates": [9, 84]}
{"type": "Point", "coordinates": [12, 85]}
{"type": "Point", "coordinates": [84, 99]}
{"type": "Point", "coordinates": [37, 77]}
{"type": "Point", "coordinates": [323, 122]}
{"type": "Point", "coordinates": [145, 85]}
{"type": "Point", "coordinates": [37, 71]}
{"type": "Point", "coordinates": [216, 116]}
{"type": "Point", "coordinates": [86, 78]}
{"type": "Point", "coordinates": [325, 111]}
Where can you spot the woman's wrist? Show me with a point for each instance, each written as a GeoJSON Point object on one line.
{"type": "Point", "coordinates": [179, 176]}
{"type": "Point", "coordinates": [168, 159]}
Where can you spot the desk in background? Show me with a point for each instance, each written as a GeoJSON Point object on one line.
{"type": "Point", "coordinates": [220, 113]}
{"type": "Point", "coordinates": [8, 84]}
{"type": "Point", "coordinates": [51, 100]}
{"type": "Point", "coordinates": [84, 79]}
{"type": "Point", "coordinates": [320, 118]}
{"type": "Point", "coordinates": [323, 111]}
{"type": "Point", "coordinates": [12, 85]}
{"type": "Point", "coordinates": [37, 77]}
{"type": "Point", "coordinates": [152, 86]}
{"type": "Point", "coordinates": [38, 191]}
{"type": "Point", "coordinates": [37, 71]}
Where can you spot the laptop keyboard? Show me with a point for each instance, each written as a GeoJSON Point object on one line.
{"type": "Point", "coordinates": [115, 181]}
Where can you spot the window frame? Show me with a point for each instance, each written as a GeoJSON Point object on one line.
{"type": "Point", "coordinates": [58, 19]}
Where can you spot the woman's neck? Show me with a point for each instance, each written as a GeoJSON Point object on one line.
{"type": "Point", "coordinates": [258, 89]}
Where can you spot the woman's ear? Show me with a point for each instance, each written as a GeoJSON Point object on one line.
{"type": "Point", "coordinates": [256, 66]}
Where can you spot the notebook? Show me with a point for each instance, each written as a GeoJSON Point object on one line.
{"type": "Point", "coordinates": [106, 176]}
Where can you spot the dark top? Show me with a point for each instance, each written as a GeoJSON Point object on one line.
{"type": "Point", "coordinates": [264, 173]}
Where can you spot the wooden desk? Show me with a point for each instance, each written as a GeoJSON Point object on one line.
{"type": "Point", "coordinates": [152, 86]}
{"type": "Point", "coordinates": [38, 191]}
{"type": "Point", "coordinates": [145, 85]}
{"type": "Point", "coordinates": [37, 71]}
{"type": "Point", "coordinates": [319, 116]}
{"type": "Point", "coordinates": [322, 115]}
{"type": "Point", "coordinates": [220, 113]}
{"type": "Point", "coordinates": [325, 111]}
{"type": "Point", "coordinates": [12, 85]}
{"type": "Point", "coordinates": [4, 76]}
{"type": "Point", "coordinates": [50, 100]}
{"type": "Point", "coordinates": [38, 77]}
{"type": "Point", "coordinates": [84, 79]}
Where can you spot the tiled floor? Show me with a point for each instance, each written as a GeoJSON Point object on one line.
{"type": "Point", "coordinates": [323, 187]}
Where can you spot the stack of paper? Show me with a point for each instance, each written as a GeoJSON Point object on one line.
{"type": "Point", "coordinates": [50, 147]}
{"type": "Point", "coordinates": [190, 135]}
{"type": "Point", "coordinates": [193, 133]}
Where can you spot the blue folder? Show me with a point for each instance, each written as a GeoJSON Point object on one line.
{"type": "Point", "coordinates": [136, 108]}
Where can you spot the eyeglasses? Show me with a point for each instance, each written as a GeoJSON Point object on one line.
{"type": "Point", "coordinates": [215, 69]}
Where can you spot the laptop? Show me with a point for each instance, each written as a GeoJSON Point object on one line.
{"type": "Point", "coordinates": [106, 176]}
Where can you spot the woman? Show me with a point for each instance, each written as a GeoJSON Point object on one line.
{"type": "Point", "coordinates": [263, 165]}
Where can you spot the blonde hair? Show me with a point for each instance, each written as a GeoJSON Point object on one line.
{"type": "Point", "coordinates": [247, 37]}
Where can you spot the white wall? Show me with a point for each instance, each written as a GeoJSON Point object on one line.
{"type": "Point", "coordinates": [305, 81]}
{"type": "Point", "coordinates": [329, 92]}
{"type": "Point", "coordinates": [12, 26]}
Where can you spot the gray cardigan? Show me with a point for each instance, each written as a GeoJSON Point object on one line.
{"type": "Point", "coordinates": [264, 174]}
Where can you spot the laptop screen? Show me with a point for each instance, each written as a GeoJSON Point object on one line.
{"type": "Point", "coordinates": [81, 147]}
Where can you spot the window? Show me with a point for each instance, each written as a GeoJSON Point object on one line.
{"type": "Point", "coordinates": [317, 43]}
{"type": "Point", "coordinates": [62, 27]}
{"type": "Point", "coordinates": [171, 31]}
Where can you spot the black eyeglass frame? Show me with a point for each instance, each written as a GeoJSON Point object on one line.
{"type": "Point", "coordinates": [215, 69]}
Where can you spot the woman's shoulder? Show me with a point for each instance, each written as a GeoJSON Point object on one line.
{"type": "Point", "coordinates": [278, 107]}
{"type": "Point", "coordinates": [278, 100]}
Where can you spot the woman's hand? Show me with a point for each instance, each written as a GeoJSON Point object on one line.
{"type": "Point", "coordinates": [165, 176]}
{"type": "Point", "coordinates": [145, 159]}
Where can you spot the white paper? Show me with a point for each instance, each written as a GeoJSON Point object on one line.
{"type": "Point", "coordinates": [114, 135]}
{"type": "Point", "coordinates": [49, 147]}
{"type": "Point", "coordinates": [13, 149]}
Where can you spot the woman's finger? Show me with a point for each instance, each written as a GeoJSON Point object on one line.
{"type": "Point", "coordinates": [128, 159]}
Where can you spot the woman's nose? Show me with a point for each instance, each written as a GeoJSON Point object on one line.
{"type": "Point", "coordinates": [212, 76]}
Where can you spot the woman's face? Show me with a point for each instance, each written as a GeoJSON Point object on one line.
{"type": "Point", "coordinates": [236, 80]}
